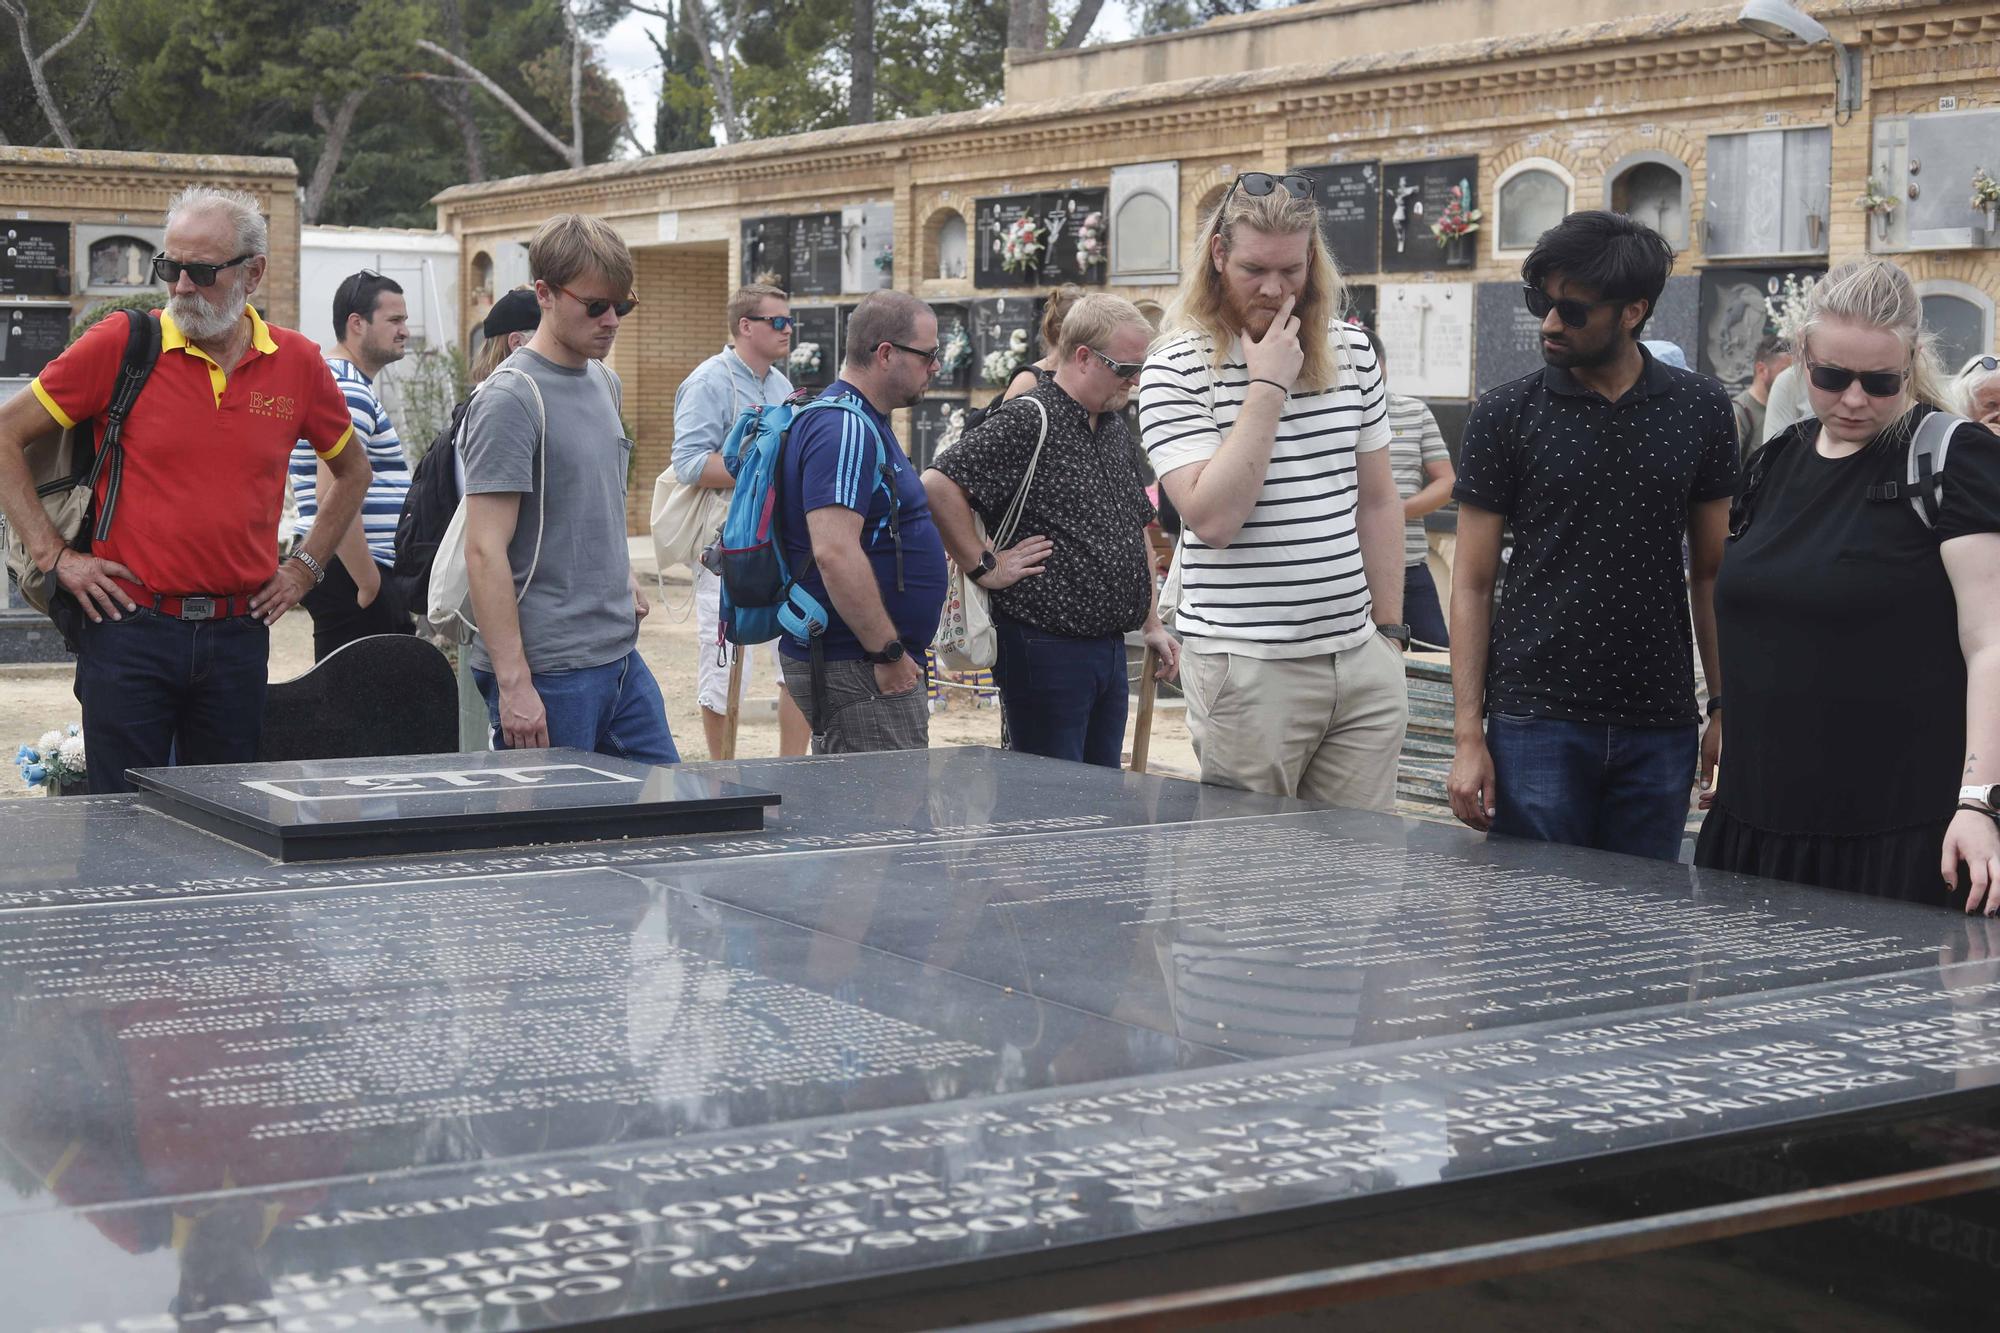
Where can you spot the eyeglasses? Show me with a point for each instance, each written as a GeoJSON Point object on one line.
{"type": "Point", "coordinates": [204, 275]}
{"type": "Point", "coordinates": [1124, 370]}
{"type": "Point", "coordinates": [1980, 365]}
{"type": "Point", "coordinates": [1257, 184]}
{"type": "Point", "coordinates": [930, 356]}
{"type": "Point", "coordinates": [595, 308]}
{"type": "Point", "coordinates": [1874, 383]}
{"type": "Point", "coordinates": [1569, 310]}
{"type": "Point", "coordinates": [779, 323]}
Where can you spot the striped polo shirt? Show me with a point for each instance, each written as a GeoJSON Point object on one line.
{"type": "Point", "coordinates": [1291, 584]}
{"type": "Point", "coordinates": [391, 482]}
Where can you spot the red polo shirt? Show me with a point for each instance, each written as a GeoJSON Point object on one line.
{"type": "Point", "coordinates": [206, 454]}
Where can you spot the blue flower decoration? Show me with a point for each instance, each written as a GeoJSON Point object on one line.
{"type": "Point", "coordinates": [36, 774]}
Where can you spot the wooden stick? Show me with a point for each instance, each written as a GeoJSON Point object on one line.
{"type": "Point", "coordinates": [735, 713]}
{"type": "Point", "coordinates": [1142, 730]}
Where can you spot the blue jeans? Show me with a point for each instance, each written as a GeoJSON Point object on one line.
{"type": "Point", "coordinates": [1062, 697]}
{"type": "Point", "coordinates": [1421, 610]}
{"type": "Point", "coordinates": [614, 709]}
{"type": "Point", "coordinates": [156, 690]}
{"type": "Point", "coordinates": [1620, 789]}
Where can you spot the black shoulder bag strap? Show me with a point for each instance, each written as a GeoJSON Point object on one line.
{"type": "Point", "coordinates": [1758, 469]}
{"type": "Point", "coordinates": [142, 349]}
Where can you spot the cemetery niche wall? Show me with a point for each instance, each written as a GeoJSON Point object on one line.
{"type": "Point", "coordinates": [1040, 240]}
{"type": "Point", "coordinates": [957, 1034]}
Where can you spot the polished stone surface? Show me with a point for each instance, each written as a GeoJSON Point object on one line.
{"type": "Point", "coordinates": [317, 809]}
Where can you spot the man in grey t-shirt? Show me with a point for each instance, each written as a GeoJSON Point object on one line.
{"type": "Point", "coordinates": [553, 594]}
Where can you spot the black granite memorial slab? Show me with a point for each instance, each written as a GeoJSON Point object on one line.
{"type": "Point", "coordinates": [34, 258]}
{"type": "Point", "coordinates": [1361, 303]}
{"type": "Point", "coordinates": [814, 361]}
{"type": "Point", "coordinates": [320, 809]}
{"type": "Point", "coordinates": [1415, 195]}
{"type": "Point", "coordinates": [1349, 195]}
{"type": "Point", "coordinates": [930, 420]}
{"type": "Point", "coordinates": [1735, 316]}
{"type": "Point", "coordinates": [767, 251]}
{"type": "Point", "coordinates": [1508, 344]}
{"type": "Point", "coordinates": [991, 218]}
{"type": "Point", "coordinates": [31, 336]}
{"type": "Point", "coordinates": [815, 255]}
{"type": "Point", "coordinates": [955, 368]}
{"type": "Point", "coordinates": [994, 324]}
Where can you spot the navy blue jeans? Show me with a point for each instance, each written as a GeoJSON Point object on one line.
{"type": "Point", "coordinates": [156, 690]}
{"type": "Point", "coordinates": [1062, 697]}
{"type": "Point", "coordinates": [1421, 610]}
{"type": "Point", "coordinates": [1621, 789]}
{"type": "Point", "coordinates": [614, 709]}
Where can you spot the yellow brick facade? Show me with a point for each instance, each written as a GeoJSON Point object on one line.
{"type": "Point", "coordinates": [1584, 98]}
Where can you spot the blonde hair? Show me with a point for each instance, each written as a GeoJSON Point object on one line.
{"type": "Point", "coordinates": [746, 299]}
{"type": "Point", "coordinates": [1055, 311]}
{"type": "Point", "coordinates": [569, 245]}
{"type": "Point", "coordinates": [1201, 305]}
{"type": "Point", "coordinates": [487, 359]}
{"type": "Point", "coordinates": [1878, 294]}
{"type": "Point", "coordinates": [1093, 319]}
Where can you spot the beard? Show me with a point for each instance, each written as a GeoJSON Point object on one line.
{"type": "Point", "coordinates": [1118, 401]}
{"type": "Point", "coordinates": [203, 322]}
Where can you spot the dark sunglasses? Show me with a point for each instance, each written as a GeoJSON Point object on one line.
{"type": "Point", "coordinates": [930, 356]}
{"type": "Point", "coordinates": [595, 309]}
{"type": "Point", "coordinates": [1568, 309]}
{"type": "Point", "coordinates": [204, 275]}
{"type": "Point", "coordinates": [1124, 370]}
{"type": "Point", "coordinates": [1980, 365]}
{"type": "Point", "coordinates": [781, 323]}
{"type": "Point", "coordinates": [1874, 383]}
{"type": "Point", "coordinates": [1257, 184]}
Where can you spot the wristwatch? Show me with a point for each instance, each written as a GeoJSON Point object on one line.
{"type": "Point", "coordinates": [1986, 797]}
{"type": "Point", "coordinates": [889, 655]}
{"type": "Point", "coordinates": [985, 566]}
{"type": "Point", "coordinates": [1398, 634]}
{"type": "Point", "coordinates": [313, 567]}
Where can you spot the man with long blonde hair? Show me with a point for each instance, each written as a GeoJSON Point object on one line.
{"type": "Point", "coordinates": [1265, 417]}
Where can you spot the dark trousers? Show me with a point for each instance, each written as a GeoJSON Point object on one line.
{"type": "Point", "coordinates": [1620, 789]}
{"type": "Point", "coordinates": [153, 687]}
{"type": "Point", "coordinates": [1062, 697]}
{"type": "Point", "coordinates": [337, 618]}
{"type": "Point", "coordinates": [1421, 610]}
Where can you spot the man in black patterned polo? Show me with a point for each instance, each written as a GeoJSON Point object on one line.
{"type": "Point", "coordinates": [1075, 574]}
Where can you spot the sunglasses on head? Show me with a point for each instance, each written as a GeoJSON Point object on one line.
{"type": "Point", "coordinates": [1257, 184]}
{"type": "Point", "coordinates": [1874, 383]}
{"type": "Point", "coordinates": [203, 275]}
{"type": "Point", "coordinates": [1124, 370]}
{"type": "Point", "coordinates": [779, 323]}
{"type": "Point", "coordinates": [1980, 365]}
{"type": "Point", "coordinates": [1569, 310]}
{"type": "Point", "coordinates": [595, 308]}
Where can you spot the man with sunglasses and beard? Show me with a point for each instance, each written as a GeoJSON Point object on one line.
{"type": "Point", "coordinates": [557, 607]}
{"type": "Point", "coordinates": [1601, 462]}
{"type": "Point", "coordinates": [178, 597]}
{"type": "Point", "coordinates": [742, 375]}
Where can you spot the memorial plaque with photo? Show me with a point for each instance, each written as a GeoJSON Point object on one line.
{"type": "Point", "coordinates": [1426, 333]}
{"type": "Point", "coordinates": [1349, 195]}
{"type": "Point", "coordinates": [767, 251]}
{"type": "Point", "coordinates": [1415, 195]}
{"type": "Point", "coordinates": [1075, 238]}
{"type": "Point", "coordinates": [991, 219]}
{"type": "Point", "coordinates": [867, 246]}
{"type": "Point", "coordinates": [814, 362]}
{"type": "Point", "coordinates": [931, 418]}
{"type": "Point", "coordinates": [994, 324]}
{"type": "Point", "coordinates": [34, 259]}
{"type": "Point", "coordinates": [955, 361]}
{"type": "Point", "coordinates": [815, 255]}
{"type": "Point", "coordinates": [31, 336]}
{"type": "Point", "coordinates": [1735, 317]}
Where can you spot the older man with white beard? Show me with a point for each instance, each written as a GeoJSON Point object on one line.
{"type": "Point", "coordinates": [179, 596]}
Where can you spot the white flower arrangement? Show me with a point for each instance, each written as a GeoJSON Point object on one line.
{"type": "Point", "coordinates": [1090, 241]}
{"type": "Point", "coordinates": [54, 760]}
{"type": "Point", "coordinates": [1002, 364]}
{"type": "Point", "coordinates": [1020, 245]}
{"type": "Point", "coordinates": [1786, 307]}
{"type": "Point", "coordinates": [804, 359]}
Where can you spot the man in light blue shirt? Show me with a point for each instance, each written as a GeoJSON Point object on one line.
{"type": "Point", "coordinates": [742, 375]}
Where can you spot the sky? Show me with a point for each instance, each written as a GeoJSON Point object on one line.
{"type": "Point", "coordinates": [632, 62]}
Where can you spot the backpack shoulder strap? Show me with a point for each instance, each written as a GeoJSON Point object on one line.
{"type": "Point", "coordinates": [142, 350]}
{"type": "Point", "coordinates": [542, 459]}
{"type": "Point", "coordinates": [1758, 469]}
{"type": "Point", "coordinates": [1922, 484]}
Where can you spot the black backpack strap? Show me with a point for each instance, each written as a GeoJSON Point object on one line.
{"type": "Point", "coordinates": [142, 350]}
{"type": "Point", "coordinates": [1755, 471]}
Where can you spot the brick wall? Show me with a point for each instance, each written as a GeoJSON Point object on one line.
{"type": "Point", "coordinates": [678, 325]}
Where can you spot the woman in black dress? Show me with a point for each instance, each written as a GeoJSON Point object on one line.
{"type": "Point", "coordinates": [1860, 646]}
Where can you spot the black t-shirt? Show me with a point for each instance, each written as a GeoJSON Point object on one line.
{"type": "Point", "coordinates": [1839, 632]}
{"type": "Point", "coordinates": [1593, 622]}
{"type": "Point", "coordinates": [1086, 498]}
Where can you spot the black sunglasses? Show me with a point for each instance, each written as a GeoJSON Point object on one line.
{"type": "Point", "coordinates": [595, 309]}
{"type": "Point", "coordinates": [1257, 184]}
{"type": "Point", "coordinates": [204, 275]}
{"type": "Point", "coordinates": [1874, 383]}
{"type": "Point", "coordinates": [1980, 365]}
{"type": "Point", "coordinates": [930, 356]}
{"type": "Point", "coordinates": [1568, 309]}
{"type": "Point", "coordinates": [1124, 370]}
{"type": "Point", "coordinates": [781, 323]}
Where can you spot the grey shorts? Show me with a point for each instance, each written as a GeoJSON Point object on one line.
{"type": "Point", "coordinates": [859, 717]}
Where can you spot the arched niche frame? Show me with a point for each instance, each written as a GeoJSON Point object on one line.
{"type": "Point", "coordinates": [946, 252]}
{"type": "Point", "coordinates": [482, 276]}
{"type": "Point", "coordinates": [1528, 198]}
{"type": "Point", "coordinates": [1655, 188]}
{"type": "Point", "coordinates": [1961, 315]}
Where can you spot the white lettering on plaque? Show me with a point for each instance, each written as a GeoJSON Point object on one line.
{"type": "Point", "coordinates": [439, 782]}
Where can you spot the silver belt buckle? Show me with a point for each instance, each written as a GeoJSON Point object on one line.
{"type": "Point", "coordinates": [197, 608]}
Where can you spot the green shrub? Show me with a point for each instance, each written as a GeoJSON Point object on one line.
{"type": "Point", "coordinates": [141, 301]}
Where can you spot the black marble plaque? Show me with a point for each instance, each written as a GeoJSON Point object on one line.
{"type": "Point", "coordinates": [1349, 195]}
{"type": "Point", "coordinates": [815, 255]}
{"type": "Point", "coordinates": [994, 324]}
{"type": "Point", "coordinates": [992, 217]}
{"type": "Point", "coordinates": [1508, 342]}
{"type": "Point", "coordinates": [930, 419]}
{"type": "Point", "coordinates": [818, 326]}
{"type": "Point", "coordinates": [955, 366]}
{"type": "Point", "coordinates": [31, 336]}
{"type": "Point", "coordinates": [1061, 218]}
{"type": "Point", "coordinates": [426, 803]}
{"type": "Point", "coordinates": [1414, 195]}
{"type": "Point", "coordinates": [34, 258]}
{"type": "Point", "coordinates": [1735, 317]}
{"type": "Point", "coordinates": [767, 250]}
{"type": "Point", "coordinates": [1361, 304]}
